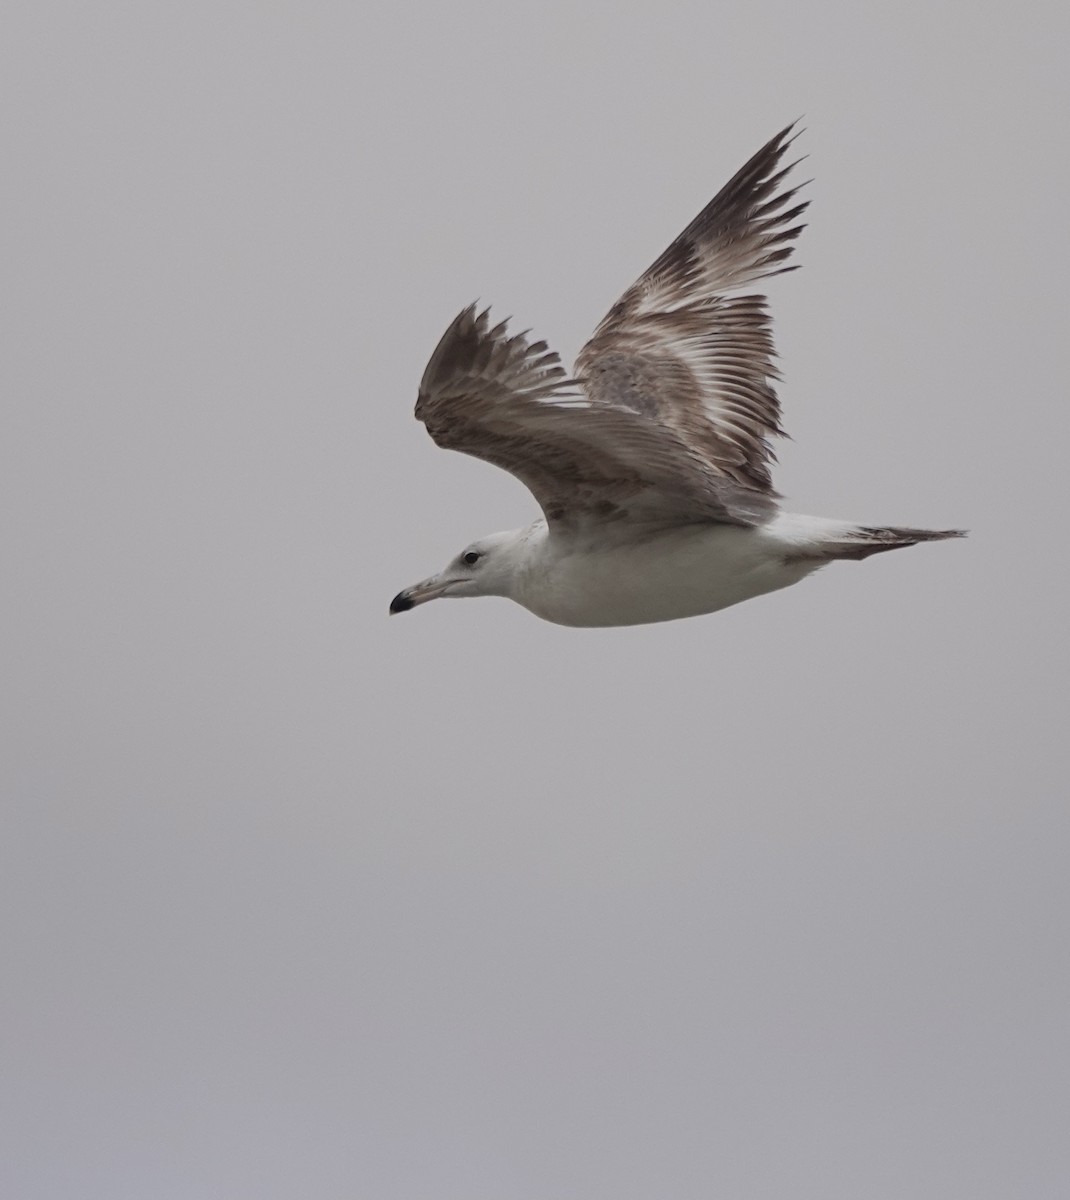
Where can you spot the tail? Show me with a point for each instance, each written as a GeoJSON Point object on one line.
{"type": "Point", "coordinates": [863, 540]}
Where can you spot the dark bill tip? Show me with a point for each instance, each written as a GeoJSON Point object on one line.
{"type": "Point", "coordinates": [400, 603]}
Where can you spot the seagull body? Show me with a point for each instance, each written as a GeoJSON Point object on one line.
{"type": "Point", "coordinates": [682, 572]}
{"type": "Point", "coordinates": [651, 464]}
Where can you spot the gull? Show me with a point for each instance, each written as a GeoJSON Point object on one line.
{"type": "Point", "coordinates": [651, 463]}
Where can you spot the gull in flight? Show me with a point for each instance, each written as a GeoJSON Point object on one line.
{"type": "Point", "coordinates": [651, 463]}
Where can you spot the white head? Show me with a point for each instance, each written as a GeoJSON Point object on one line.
{"type": "Point", "coordinates": [485, 568]}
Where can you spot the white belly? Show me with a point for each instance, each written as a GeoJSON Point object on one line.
{"type": "Point", "coordinates": [679, 573]}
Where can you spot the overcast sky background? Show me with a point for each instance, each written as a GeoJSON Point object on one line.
{"type": "Point", "coordinates": [301, 901]}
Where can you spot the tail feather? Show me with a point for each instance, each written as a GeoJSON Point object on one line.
{"type": "Point", "coordinates": [864, 540]}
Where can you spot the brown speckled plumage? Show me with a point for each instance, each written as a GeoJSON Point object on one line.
{"type": "Point", "coordinates": [669, 414]}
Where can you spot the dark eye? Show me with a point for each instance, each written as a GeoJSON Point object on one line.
{"type": "Point", "coordinates": [471, 557]}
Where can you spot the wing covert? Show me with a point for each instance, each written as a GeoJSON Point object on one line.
{"type": "Point", "coordinates": [509, 402]}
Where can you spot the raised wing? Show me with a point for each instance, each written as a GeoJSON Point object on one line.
{"type": "Point", "coordinates": [691, 359]}
{"type": "Point", "coordinates": [507, 401]}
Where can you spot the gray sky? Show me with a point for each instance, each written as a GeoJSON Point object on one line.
{"type": "Point", "coordinates": [297, 900]}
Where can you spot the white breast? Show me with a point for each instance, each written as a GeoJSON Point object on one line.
{"type": "Point", "coordinates": [677, 573]}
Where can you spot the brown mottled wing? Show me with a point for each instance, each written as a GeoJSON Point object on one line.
{"type": "Point", "coordinates": [500, 398]}
{"type": "Point", "coordinates": [692, 359]}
